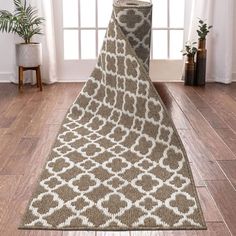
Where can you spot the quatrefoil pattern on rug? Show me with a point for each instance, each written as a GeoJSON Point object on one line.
{"type": "Point", "coordinates": [117, 162]}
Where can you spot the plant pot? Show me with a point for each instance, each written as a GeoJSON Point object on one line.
{"type": "Point", "coordinates": [29, 55]}
{"type": "Point", "coordinates": [201, 63]}
{"type": "Point", "coordinates": [190, 69]}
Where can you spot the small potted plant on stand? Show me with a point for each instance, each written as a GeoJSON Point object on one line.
{"type": "Point", "coordinates": [190, 65]}
{"type": "Point", "coordinates": [203, 30]}
{"type": "Point", "coordinates": [24, 22]}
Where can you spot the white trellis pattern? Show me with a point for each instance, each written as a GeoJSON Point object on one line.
{"type": "Point", "coordinates": [117, 162]}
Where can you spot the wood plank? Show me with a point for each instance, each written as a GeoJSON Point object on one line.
{"type": "Point", "coordinates": [229, 168]}
{"type": "Point", "coordinates": [229, 89]}
{"type": "Point", "coordinates": [208, 112]}
{"type": "Point", "coordinates": [212, 117]}
{"type": "Point", "coordinates": [7, 147]}
{"type": "Point", "coordinates": [200, 156]}
{"type": "Point", "coordinates": [224, 104]}
{"type": "Point", "coordinates": [206, 133]}
{"type": "Point", "coordinates": [199, 182]}
{"type": "Point", "coordinates": [221, 128]}
{"type": "Point", "coordinates": [16, 107]}
{"type": "Point", "coordinates": [210, 211]}
{"type": "Point", "coordinates": [178, 117]}
{"type": "Point", "coordinates": [3, 131]}
{"type": "Point", "coordinates": [38, 233]}
{"type": "Point", "coordinates": [109, 233]}
{"type": "Point", "coordinates": [229, 137]}
{"type": "Point", "coordinates": [7, 95]}
{"type": "Point", "coordinates": [79, 233]}
{"type": "Point", "coordinates": [49, 97]}
{"type": "Point", "coordinates": [28, 182]}
{"type": "Point", "coordinates": [23, 120]}
{"type": "Point", "coordinates": [220, 98]}
{"type": "Point", "coordinates": [15, 211]}
{"type": "Point", "coordinates": [53, 109]}
{"type": "Point", "coordinates": [147, 233]}
{"type": "Point", "coordinates": [23, 109]}
{"type": "Point", "coordinates": [68, 93]}
{"type": "Point", "coordinates": [8, 143]}
{"type": "Point", "coordinates": [225, 197]}
{"type": "Point", "coordinates": [6, 122]}
{"type": "Point", "coordinates": [213, 229]}
{"type": "Point", "coordinates": [45, 233]}
{"type": "Point", "coordinates": [8, 185]}
{"type": "Point", "coordinates": [193, 96]}
{"type": "Point", "coordinates": [18, 104]}
{"type": "Point", "coordinates": [219, 125]}
{"type": "Point", "coordinates": [40, 155]}
{"type": "Point", "coordinates": [15, 163]}
{"type": "Point", "coordinates": [180, 233]}
{"type": "Point", "coordinates": [56, 117]}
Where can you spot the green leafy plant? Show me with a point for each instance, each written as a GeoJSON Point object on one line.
{"type": "Point", "coordinates": [189, 49]}
{"type": "Point", "coordinates": [203, 30]}
{"type": "Point", "coordinates": [24, 21]}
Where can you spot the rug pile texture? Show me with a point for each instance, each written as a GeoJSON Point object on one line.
{"type": "Point", "coordinates": [118, 162]}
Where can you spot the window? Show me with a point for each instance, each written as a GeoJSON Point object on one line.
{"type": "Point", "coordinates": [84, 26]}
{"type": "Point", "coordinates": [85, 23]}
{"type": "Point", "coordinates": [168, 29]}
{"type": "Point", "coordinates": [80, 33]}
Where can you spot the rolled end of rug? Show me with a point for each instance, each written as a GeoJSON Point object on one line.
{"type": "Point", "coordinates": [135, 21]}
{"type": "Point", "coordinates": [132, 4]}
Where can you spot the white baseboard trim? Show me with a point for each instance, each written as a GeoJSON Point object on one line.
{"type": "Point", "coordinates": [167, 80]}
{"type": "Point", "coordinates": [7, 77]}
{"type": "Point", "coordinates": [234, 77]}
{"type": "Point", "coordinates": [72, 81]}
{"type": "Point", "coordinates": [82, 80]}
{"type": "Point", "coordinates": [219, 80]}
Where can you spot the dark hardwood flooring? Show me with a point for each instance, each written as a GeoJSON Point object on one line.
{"type": "Point", "coordinates": [204, 117]}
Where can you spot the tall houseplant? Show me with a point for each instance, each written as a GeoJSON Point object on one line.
{"type": "Point", "coordinates": [203, 30]}
{"type": "Point", "coordinates": [26, 23]}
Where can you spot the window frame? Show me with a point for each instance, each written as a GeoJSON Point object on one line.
{"type": "Point", "coordinates": [168, 29]}
{"type": "Point", "coordinates": [80, 28]}
{"type": "Point", "coordinates": [70, 69]}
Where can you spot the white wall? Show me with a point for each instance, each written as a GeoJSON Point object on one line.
{"type": "Point", "coordinates": [234, 53]}
{"type": "Point", "coordinates": [8, 70]}
{"type": "Point", "coordinates": [7, 51]}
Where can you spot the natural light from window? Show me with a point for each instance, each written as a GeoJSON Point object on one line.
{"type": "Point", "coordinates": [85, 23]}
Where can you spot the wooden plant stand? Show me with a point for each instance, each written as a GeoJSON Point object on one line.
{"type": "Point", "coordinates": [21, 77]}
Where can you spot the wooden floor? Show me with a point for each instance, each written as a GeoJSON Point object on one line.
{"type": "Point", "coordinates": [205, 119]}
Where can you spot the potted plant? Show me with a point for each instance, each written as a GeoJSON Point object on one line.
{"type": "Point", "coordinates": [24, 22]}
{"type": "Point", "coordinates": [190, 66]}
{"type": "Point", "coordinates": [203, 30]}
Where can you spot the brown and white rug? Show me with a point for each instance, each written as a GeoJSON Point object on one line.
{"type": "Point", "coordinates": [118, 162]}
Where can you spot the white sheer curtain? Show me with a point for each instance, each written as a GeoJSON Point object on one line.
{"type": "Point", "coordinates": [218, 13]}
{"type": "Point", "coordinates": [49, 67]}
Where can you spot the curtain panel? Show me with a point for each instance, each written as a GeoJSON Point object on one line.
{"type": "Point", "coordinates": [49, 67]}
{"type": "Point", "coordinates": [219, 41]}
